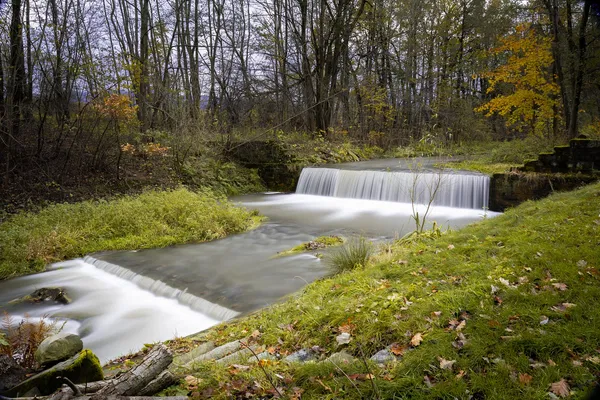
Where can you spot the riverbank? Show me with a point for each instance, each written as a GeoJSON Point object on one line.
{"type": "Point", "coordinates": [31, 240]}
{"type": "Point", "coordinates": [504, 308]}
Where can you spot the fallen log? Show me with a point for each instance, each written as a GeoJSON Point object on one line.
{"type": "Point", "coordinates": [164, 379]}
{"type": "Point", "coordinates": [137, 378]}
{"type": "Point", "coordinates": [143, 380]}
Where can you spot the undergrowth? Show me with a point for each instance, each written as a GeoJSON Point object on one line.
{"type": "Point", "coordinates": [506, 308]}
{"type": "Point", "coordinates": [19, 341]}
{"type": "Point", "coordinates": [29, 240]}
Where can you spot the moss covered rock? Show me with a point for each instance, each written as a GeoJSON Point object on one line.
{"type": "Point", "coordinates": [82, 368]}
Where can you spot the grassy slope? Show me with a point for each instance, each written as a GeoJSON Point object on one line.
{"type": "Point", "coordinates": [28, 241]}
{"type": "Point", "coordinates": [537, 247]}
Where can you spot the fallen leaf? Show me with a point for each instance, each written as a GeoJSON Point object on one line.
{"type": "Point", "coordinates": [505, 282]}
{"type": "Point", "coordinates": [388, 377]}
{"type": "Point", "coordinates": [560, 388]}
{"type": "Point", "coordinates": [544, 320]}
{"type": "Point", "coordinates": [361, 377]}
{"type": "Point", "coordinates": [416, 340]}
{"type": "Point", "coordinates": [498, 300]}
{"type": "Point", "coordinates": [343, 338]}
{"type": "Point", "coordinates": [493, 323]}
{"type": "Point", "coordinates": [494, 289]}
{"type": "Point", "coordinates": [436, 314]}
{"type": "Point", "coordinates": [450, 246]}
{"type": "Point", "coordinates": [192, 382]}
{"type": "Point", "coordinates": [255, 334]}
{"type": "Point", "coordinates": [577, 363]}
{"type": "Point", "coordinates": [397, 349]}
{"type": "Point", "coordinates": [562, 307]}
{"type": "Point", "coordinates": [537, 364]}
{"type": "Point", "coordinates": [347, 328]}
{"type": "Point", "coordinates": [560, 286]}
{"type": "Point", "coordinates": [460, 374]}
{"type": "Point", "coordinates": [525, 379]}
{"type": "Point", "coordinates": [460, 341]}
{"type": "Point", "coordinates": [460, 326]}
{"type": "Point", "coordinates": [427, 381]}
{"type": "Point", "coordinates": [297, 393]}
{"type": "Point", "coordinates": [593, 359]}
{"type": "Point", "coordinates": [581, 263]}
{"type": "Point", "coordinates": [446, 364]}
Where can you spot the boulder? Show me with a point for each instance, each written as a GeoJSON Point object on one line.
{"type": "Point", "coordinates": [57, 348]}
{"type": "Point", "coordinates": [11, 373]}
{"type": "Point", "coordinates": [82, 368]}
{"type": "Point", "coordinates": [57, 295]}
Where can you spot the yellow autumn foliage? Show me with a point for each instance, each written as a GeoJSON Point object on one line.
{"type": "Point", "coordinates": [527, 94]}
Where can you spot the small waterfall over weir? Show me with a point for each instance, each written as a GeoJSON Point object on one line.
{"type": "Point", "coordinates": [161, 289]}
{"type": "Point", "coordinates": [446, 189]}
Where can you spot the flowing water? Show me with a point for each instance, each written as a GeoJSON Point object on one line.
{"type": "Point", "coordinates": [124, 299]}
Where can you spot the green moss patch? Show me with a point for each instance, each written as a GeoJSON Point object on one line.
{"type": "Point", "coordinates": [505, 308]}
{"type": "Point", "coordinates": [153, 219]}
{"type": "Point", "coordinates": [321, 242]}
{"type": "Point", "coordinates": [82, 368]}
{"type": "Point", "coordinates": [478, 166]}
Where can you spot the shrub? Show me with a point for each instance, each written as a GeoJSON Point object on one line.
{"type": "Point", "coordinates": [354, 254]}
{"type": "Point", "coordinates": [22, 340]}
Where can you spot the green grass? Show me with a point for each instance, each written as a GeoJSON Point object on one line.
{"type": "Point", "coordinates": [547, 251]}
{"type": "Point", "coordinates": [354, 254]}
{"type": "Point", "coordinates": [479, 166]}
{"type": "Point", "coordinates": [28, 241]}
{"type": "Point", "coordinates": [319, 243]}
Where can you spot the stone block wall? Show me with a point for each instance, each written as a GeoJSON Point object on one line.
{"type": "Point", "coordinates": [580, 155]}
{"type": "Point", "coordinates": [566, 168]}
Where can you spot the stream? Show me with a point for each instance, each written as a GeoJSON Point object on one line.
{"type": "Point", "coordinates": [123, 299]}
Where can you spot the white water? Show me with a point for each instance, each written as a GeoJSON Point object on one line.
{"type": "Point", "coordinates": [113, 316]}
{"type": "Point", "coordinates": [446, 189]}
{"type": "Point", "coordinates": [161, 289]}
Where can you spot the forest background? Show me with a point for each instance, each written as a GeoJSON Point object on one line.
{"type": "Point", "coordinates": [98, 96]}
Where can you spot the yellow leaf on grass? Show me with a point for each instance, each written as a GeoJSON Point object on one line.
{"type": "Point", "coordinates": [416, 340]}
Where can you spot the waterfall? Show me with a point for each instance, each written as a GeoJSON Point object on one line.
{"type": "Point", "coordinates": [446, 189]}
{"type": "Point", "coordinates": [162, 289]}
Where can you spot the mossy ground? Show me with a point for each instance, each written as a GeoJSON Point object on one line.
{"type": "Point", "coordinates": [29, 240]}
{"type": "Point", "coordinates": [511, 301]}
{"type": "Point", "coordinates": [493, 156]}
{"type": "Point", "coordinates": [319, 243]}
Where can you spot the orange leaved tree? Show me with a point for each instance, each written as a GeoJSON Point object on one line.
{"type": "Point", "coordinates": [526, 94]}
